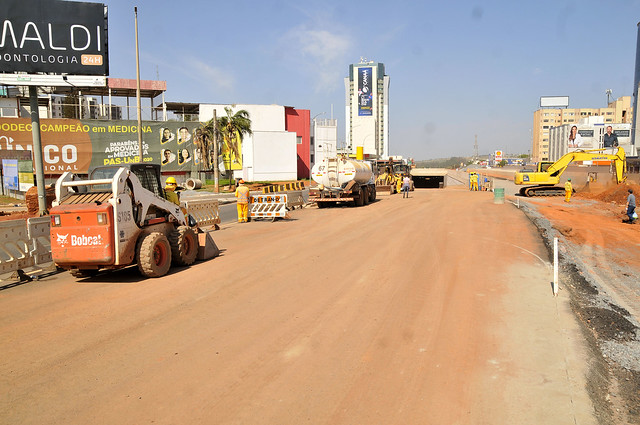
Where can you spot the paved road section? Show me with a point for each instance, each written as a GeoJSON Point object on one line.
{"type": "Point", "coordinates": [431, 310]}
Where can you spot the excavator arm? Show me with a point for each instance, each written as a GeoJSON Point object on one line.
{"type": "Point", "coordinates": [546, 180]}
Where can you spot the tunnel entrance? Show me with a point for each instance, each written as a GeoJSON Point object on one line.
{"type": "Point", "coordinates": [429, 178]}
{"type": "Point", "coordinates": [428, 182]}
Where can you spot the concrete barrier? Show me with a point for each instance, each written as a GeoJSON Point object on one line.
{"type": "Point", "coordinates": [24, 243]}
{"type": "Point", "coordinates": [204, 211]}
{"type": "Point", "coordinates": [294, 199]}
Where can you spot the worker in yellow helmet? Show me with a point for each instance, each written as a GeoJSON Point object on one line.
{"type": "Point", "coordinates": [568, 189]}
{"type": "Point", "coordinates": [170, 194]}
{"type": "Point", "coordinates": [474, 181]}
{"type": "Point", "coordinates": [242, 193]}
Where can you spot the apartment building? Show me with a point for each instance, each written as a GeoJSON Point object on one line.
{"type": "Point", "coordinates": [618, 111]}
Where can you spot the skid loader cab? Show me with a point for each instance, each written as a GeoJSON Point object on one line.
{"type": "Point", "coordinates": [148, 174]}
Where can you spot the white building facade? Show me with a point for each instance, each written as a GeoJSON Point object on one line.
{"type": "Point", "coordinates": [269, 154]}
{"type": "Point", "coordinates": [325, 140]}
{"type": "Point", "coordinates": [367, 109]}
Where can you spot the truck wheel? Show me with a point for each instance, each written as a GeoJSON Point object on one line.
{"type": "Point", "coordinates": [154, 255]}
{"type": "Point", "coordinates": [364, 192]}
{"type": "Point", "coordinates": [359, 199]}
{"type": "Point", "coordinates": [372, 194]}
{"type": "Point", "coordinates": [184, 246]}
{"type": "Point", "coordinates": [322, 204]}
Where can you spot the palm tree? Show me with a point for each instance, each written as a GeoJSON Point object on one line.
{"type": "Point", "coordinates": [233, 128]}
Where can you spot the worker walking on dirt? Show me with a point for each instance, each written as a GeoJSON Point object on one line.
{"type": "Point", "coordinates": [406, 185]}
{"type": "Point", "coordinates": [568, 190]}
{"type": "Point", "coordinates": [170, 194]}
{"type": "Point", "coordinates": [242, 193]}
{"type": "Point", "coordinates": [631, 207]}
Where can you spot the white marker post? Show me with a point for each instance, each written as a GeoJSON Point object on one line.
{"type": "Point", "coordinates": [555, 267]}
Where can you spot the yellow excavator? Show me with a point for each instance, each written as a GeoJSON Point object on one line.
{"type": "Point", "coordinates": [543, 181]}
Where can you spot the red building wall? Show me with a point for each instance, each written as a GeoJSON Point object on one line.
{"type": "Point", "coordinates": [299, 121]}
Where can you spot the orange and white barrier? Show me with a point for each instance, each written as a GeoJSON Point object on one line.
{"type": "Point", "coordinates": [268, 206]}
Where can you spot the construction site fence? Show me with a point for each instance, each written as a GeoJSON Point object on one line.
{"type": "Point", "coordinates": [24, 243]}
{"type": "Point", "coordinates": [274, 188]}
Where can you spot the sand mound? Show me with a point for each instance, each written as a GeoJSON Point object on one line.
{"type": "Point", "coordinates": [617, 193]}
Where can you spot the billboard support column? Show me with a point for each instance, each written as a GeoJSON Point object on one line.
{"type": "Point", "coordinates": [37, 150]}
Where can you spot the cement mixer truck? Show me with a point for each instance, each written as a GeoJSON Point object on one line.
{"type": "Point", "coordinates": [342, 180]}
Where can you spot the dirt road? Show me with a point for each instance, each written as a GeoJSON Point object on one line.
{"type": "Point", "coordinates": [431, 310]}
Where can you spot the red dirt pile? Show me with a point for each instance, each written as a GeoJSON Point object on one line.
{"type": "Point", "coordinates": [617, 193]}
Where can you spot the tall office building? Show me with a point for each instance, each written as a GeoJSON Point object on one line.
{"type": "Point", "coordinates": [367, 109]}
{"type": "Point", "coordinates": [617, 112]}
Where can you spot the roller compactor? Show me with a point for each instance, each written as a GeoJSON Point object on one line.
{"type": "Point", "coordinates": [342, 180]}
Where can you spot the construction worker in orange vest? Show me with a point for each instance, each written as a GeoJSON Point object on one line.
{"type": "Point", "coordinates": [242, 193]}
{"type": "Point", "coordinates": [568, 189]}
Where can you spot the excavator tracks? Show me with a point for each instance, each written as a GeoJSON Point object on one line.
{"type": "Point", "coordinates": [542, 191]}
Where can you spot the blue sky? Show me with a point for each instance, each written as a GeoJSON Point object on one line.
{"type": "Point", "coordinates": [457, 68]}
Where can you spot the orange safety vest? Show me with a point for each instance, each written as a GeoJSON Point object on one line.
{"type": "Point", "coordinates": [242, 193]}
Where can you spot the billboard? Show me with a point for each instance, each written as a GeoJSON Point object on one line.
{"type": "Point", "coordinates": [79, 145]}
{"type": "Point", "coordinates": [53, 36]}
{"type": "Point", "coordinates": [497, 156]}
{"type": "Point", "coordinates": [365, 96]}
{"type": "Point", "coordinates": [554, 101]}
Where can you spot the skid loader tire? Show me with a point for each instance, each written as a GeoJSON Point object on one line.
{"type": "Point", "coordinates": [184, 246]}
{"type": "Point", "coordinates": [154, 255]}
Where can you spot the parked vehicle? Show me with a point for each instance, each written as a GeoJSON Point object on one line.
{"type": "Point", "coordinates": [342, 180]}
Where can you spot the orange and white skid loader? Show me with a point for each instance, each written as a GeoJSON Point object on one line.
{"type": "Point", "coordinates": [116, 218]}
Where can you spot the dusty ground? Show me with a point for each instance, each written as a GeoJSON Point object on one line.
{"type": "Point", "coordinates": [431, 310]}
{"type": "Point", "coordinates": [600, 268]}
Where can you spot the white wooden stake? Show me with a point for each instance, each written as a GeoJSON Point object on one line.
{"type": "Point", "coordinates": [555, 267]}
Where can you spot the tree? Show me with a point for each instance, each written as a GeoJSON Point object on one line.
{"type": "Point", "coordinates": [233, 128]}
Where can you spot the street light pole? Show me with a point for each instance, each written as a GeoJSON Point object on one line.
{"type": "Point", "coordinates": [135, 11]}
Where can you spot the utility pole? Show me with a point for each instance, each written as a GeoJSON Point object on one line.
{"type": "Point", "coordinates": [216, 170]}
{"type": "Point", "coordinates": [135, 12]}
{"type": "Point", "coordinates": [37, 150]}
{"type": "Point", "coordinates": [475, 148]}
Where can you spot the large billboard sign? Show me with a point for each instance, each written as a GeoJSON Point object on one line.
{"type": "Point", "coordinates": [365, 95]}
{"type": "Point", "coordinates": [79, 145]}
{"type": "Point", "coordinates": [53, 36]}
{"type": "Point", "coordinates": [554, 101]}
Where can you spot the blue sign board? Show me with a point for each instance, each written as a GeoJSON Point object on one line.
{"type": "Point", "coordinates": [365, 95]}
{"type": "Point", "coordinates": [10, 173]}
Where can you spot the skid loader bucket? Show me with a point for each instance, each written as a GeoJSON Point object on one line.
{"type": "Point", "coordinates": [207, 248]}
